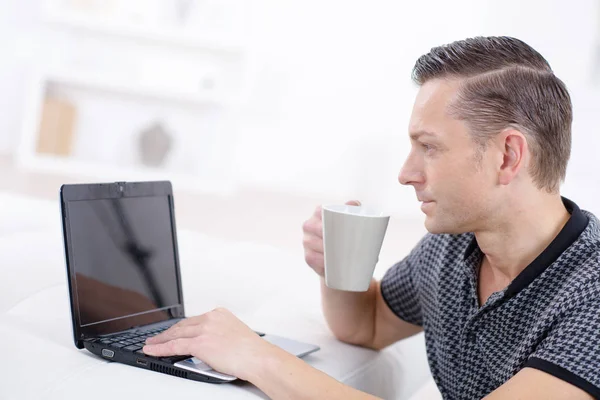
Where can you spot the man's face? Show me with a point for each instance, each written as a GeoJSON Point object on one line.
{"type": "Point", "coordinates": [453, 184]}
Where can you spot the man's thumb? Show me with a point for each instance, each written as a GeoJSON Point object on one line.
{"type": "Point", "coordinates": [353, 203]}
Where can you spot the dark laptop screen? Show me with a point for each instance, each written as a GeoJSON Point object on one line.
{"type": "Point", "coordinates": [123, 257]}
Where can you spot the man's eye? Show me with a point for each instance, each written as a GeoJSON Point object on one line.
{"type": "Point", "coordinates": [426, 146]}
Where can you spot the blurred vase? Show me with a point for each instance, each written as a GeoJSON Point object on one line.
{"type": "Point", "coordinates": [155, 142]}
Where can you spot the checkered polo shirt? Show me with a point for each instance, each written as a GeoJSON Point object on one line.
{"type": "Point", "coordinates": [548, 318]}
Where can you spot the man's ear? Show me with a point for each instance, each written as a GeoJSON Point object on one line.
{"type": "Point", "coordinates": [514, 148]}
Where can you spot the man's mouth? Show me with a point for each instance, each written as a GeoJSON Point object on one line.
{"type": "Point", "coordinates": [425, 205]}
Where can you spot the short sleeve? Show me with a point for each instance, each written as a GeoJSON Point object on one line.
{"type": "Point", "coordinates": [399, 285]}
{"type": "Point", "coordinates": [571, 351]}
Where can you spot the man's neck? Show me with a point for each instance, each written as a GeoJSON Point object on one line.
{"type": "Point", "coordinates": [522, 234]}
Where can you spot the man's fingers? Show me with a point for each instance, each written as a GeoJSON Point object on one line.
{"type": "Point", "coordinates": [177, 347]}
{"type": "Point", "coordinates": [312, 242]}
{"type": "Point", "coordinates": [314, 260]}
{"type": "Point", "coordinates": [318, 212]}
{"type": "Point", "coordinates": [175, 332]}
{"type": "Point", "coordinates": [313, 227]}
{"type": "Point", "coordinates": [353, 203]}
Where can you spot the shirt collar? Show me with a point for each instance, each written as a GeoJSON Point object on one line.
{"type": "Point", "coordinates": [565, 238]}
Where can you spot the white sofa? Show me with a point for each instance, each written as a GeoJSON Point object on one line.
{"type": "Point", "coordinates": [269, 289]}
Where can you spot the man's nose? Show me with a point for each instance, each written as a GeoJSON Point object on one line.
{"type": "Point", "coordinates": [409, 173]}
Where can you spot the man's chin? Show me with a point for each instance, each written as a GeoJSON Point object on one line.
{"type": "Point", "coordinates": [432, 228]}
{"type": "Point", "coordinates": [438, 227]}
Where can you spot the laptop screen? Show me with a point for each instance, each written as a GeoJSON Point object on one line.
{"type": "Point", "coordinates": [123, 259]}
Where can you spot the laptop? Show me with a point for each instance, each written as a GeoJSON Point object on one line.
{"type": "Point", "coordinates": [124, 275]}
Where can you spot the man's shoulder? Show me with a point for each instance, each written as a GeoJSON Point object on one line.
{"type": "Point", "coordinates": [577, 272]}
{"type": "Point", "coordinates": [585, 251]}
{"type": "Point", "coordinates": [591, 234]}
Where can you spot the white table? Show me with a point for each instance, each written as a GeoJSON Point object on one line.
{"type": "Point", "coordinates": [266, 287]}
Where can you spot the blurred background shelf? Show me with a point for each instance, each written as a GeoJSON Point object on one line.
{"type": "Point", "coordinates": [151, 34]}
{"type": "Point", "coordinates": [120, 86]}
{"type": "Point", "coordinates": [205, 25]}
{"type": "Point", "coordinates": [138, 90]}
{"type": "Point", "coordinates": [65, 110]}
{"type": "Point", "coordinates": [50, 164]}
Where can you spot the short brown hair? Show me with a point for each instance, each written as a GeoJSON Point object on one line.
{"type": "Point", "coordinates": [507, 84]}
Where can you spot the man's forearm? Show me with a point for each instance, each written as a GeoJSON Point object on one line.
{"type": "Point", "coordinates": [350, 315]}
{"type": "Point", "coordinates": [281, 375]}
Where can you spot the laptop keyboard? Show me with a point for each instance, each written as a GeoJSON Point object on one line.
{"type": "Point", "coordinates": [135, 341]}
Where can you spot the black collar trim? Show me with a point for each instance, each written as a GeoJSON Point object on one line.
{"type": "Point", "coordinates": [565, 238]}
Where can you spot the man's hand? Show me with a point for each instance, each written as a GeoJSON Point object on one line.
{"type": "Point", "coordinates": [218, 338]}
{"type": "Point", "coordinates": [313, 240]}
{"type": "Point", "coordinates": [360, 318]}
{"type": "Point", "coordinates": [226, 344]}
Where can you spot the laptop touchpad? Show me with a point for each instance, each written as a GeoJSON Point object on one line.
{"type": "Point", "coordinates": [195, 365]}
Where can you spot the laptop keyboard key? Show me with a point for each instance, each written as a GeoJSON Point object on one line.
{"type": "Point", "coordinates": [132, 348]}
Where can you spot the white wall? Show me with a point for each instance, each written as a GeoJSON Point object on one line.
{"type": "Point", "coordinates": [18, 38]}
{"type": "Point", "coordinates": [332, 93]}
{"type": "Point", "coordinates": [345, 95]}
{"type": "Point", "coordinates": [339, 79]}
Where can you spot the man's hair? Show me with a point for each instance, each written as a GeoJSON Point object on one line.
{"type": "Point", "coordinates": [507, 84]}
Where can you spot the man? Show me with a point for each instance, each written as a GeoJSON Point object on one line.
{"type": "Point", "coordinates": [506, 284]}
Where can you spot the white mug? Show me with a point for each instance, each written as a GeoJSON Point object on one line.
{"type": "Point", "coordinates": [352, 239]}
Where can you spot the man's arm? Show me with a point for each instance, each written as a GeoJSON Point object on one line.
{"type": "Point", "coordinates": [228, 345]}
{"type": "Point", "coordinates": [363, 318]}
{"type": "Point", "coordinates": [284, 376]}
{"type": "Point", "coordinates": [533, 384]}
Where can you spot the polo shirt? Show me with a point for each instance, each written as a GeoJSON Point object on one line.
{"type": "Point", "coordinates": [547, 318]}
